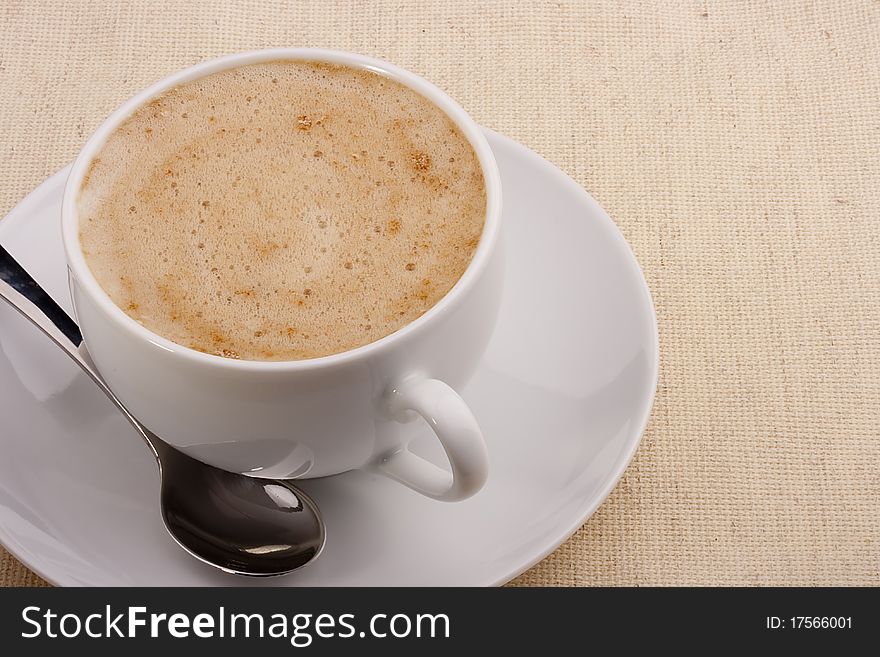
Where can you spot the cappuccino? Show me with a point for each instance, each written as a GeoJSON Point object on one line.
{"type": "Point", "coordinates": [282, 211]}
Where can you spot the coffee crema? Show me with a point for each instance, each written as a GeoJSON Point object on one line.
{"type": "Point", "coordinates": [282, 211]}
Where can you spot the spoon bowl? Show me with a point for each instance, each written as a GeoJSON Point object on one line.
{"type": "Point", "coordinates": [242, 525]}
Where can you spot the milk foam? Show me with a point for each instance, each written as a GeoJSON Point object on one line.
{"type": "Point", "coordinates": [282, 211]}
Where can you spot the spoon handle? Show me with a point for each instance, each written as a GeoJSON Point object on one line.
{"type": "Point", "coordinates": [22, 292]}
{"type": "Point", "coordinates": [25, 295]}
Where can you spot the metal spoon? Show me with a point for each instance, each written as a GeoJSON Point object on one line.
{"type": "Point", "coordinates": [239, 524]}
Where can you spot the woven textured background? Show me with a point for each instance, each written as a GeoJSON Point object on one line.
{"type": "Point", "coordinates": [737, 146]}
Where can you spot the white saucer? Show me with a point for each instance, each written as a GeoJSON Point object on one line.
{"type": "Point", "coordinates": [563, 396]}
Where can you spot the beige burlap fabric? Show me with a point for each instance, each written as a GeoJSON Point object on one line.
{"type": "Point", "coordinates": [737, 146]}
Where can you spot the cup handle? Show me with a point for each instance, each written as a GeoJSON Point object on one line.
{"type": "Point", "coordinates": [456, 428]}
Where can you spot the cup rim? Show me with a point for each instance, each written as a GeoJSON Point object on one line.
{"type": "Point", "coordinates": [82, 274]}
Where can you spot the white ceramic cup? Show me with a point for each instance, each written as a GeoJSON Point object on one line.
{"type": "Point", "coordinates": [315, 417]}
